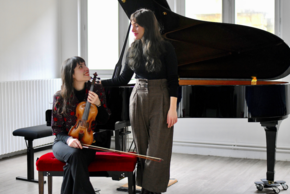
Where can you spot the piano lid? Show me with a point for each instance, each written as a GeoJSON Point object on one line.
{"type": "Point", "coordinates": [218, 50]}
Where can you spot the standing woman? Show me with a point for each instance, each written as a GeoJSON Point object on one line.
{"type": "Point", "coordinates": [153, 99]}
{"type": "Point", "coordinates": [74, 89]}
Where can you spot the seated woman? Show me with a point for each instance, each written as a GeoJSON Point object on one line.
{"type": "Point", "coordinates": [74, 89]}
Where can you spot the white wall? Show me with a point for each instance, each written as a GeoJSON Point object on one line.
{"type": "Point", "coordinates": [28, 39]}
{"type": "Point", "coordinates": [36, 37]}
{"type": "Point", "coordinates": [68, 28]}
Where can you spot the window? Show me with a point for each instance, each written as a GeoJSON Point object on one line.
{"type": "Point", "coordinates": [131, 37]}
{"type": "Point", "coordinates": [258, 14]}
{"type": "Point", "coordinates": [206, 10]}
{"type": "Point", "coordinates": [103, 35]}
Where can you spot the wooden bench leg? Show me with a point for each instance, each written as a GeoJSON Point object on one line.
{"type": "Point", "coordinates": [40, 182]}
{"type": "Point", "coordinates": [134, 181]}
{"type": "Point", "coordinates": [49, 181]}
{"type": "Point", "coordinates": [131, 183]}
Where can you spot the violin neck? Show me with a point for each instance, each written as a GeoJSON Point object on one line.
{"type": "Point", "coordinates": [88, 106]}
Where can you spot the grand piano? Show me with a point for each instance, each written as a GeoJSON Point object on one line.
{"type": "Point", "coordinates": [225, 72]}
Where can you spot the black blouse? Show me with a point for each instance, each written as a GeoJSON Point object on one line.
{"type": "Point", "coordinates": [61, 123]}
{"type": "Point", "coordinates": [168, 71]}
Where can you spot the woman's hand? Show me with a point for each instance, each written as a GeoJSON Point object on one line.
{"type": "Point", "coordinates": [172, 113]}
{"type": "Point", "coordinates": [93, 98]}
{"type": "Point", "coordinates": [74, 143]}
{"type": "Point", "coordinates": [171, 117]}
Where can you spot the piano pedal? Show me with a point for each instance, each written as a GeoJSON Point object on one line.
{"type": "Point", "coordinates": [274, 185]}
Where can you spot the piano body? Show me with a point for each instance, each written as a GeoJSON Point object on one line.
{"type": "Point", "coordinates": [216, 63]}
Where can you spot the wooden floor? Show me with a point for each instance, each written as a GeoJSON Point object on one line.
{"type": "Point", "coordinates": [195, 174]}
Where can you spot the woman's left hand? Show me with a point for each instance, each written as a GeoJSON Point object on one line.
{"type": "Point", "coordinates": [93, 98]}
{"type": "Point", "coordinates": [171, 117]}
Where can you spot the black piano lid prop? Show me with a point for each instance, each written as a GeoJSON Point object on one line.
{"type": "Point", "coordinates": [210, 50]}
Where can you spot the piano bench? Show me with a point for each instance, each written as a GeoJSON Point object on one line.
{"type": "Point", "coordinates": [30, 134]}
{"type": "Point", "coordinates": [104, 164]}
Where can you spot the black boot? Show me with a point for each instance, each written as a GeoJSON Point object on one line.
{"type": "Point", "coordinates": [150, 192]}
{"type": "Point", "coordinates": [144, 191]}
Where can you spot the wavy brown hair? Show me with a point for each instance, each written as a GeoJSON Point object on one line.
{"type": "Point", "coordinates": [67, 89]}
{"type": "Point", "coordinates": [150, 45]}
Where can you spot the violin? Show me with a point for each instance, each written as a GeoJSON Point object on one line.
{"type": "Point", "coordinates": [86, 113]}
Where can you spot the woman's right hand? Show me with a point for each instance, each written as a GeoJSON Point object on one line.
{"type": "Point", "coordinates": [74, 143]}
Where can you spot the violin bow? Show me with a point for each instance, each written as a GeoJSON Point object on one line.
{"type": "Point", "coordinates": [121, 152]}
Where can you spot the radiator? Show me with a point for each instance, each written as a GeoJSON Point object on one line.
{"type": "Point", "coordinates": [23, 104]}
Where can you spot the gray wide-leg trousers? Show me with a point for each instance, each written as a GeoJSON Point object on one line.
{"type": "Point", "coordinates": [149, 105]}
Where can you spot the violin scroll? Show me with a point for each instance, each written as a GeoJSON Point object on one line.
{"type": "Point", "coordinates": [97, 79]}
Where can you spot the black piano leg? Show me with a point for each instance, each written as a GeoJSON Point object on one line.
{"type": "Point", "coordinates": [271, 129]}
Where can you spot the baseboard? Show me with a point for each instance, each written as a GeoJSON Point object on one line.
{"type": "Point", "coordinates": [224, 149]}
{"type": "Point", "coordinates": [228, 150]}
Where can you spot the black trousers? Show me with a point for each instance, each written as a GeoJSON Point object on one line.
{"type": "Point", "coordinates": [76, 175]}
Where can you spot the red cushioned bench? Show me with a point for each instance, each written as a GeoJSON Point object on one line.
{"type": "Point", "coordinates": [104, 164]}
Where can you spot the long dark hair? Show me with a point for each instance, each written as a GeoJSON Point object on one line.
{"type": "Point", "coordinates": [150, 46]}
{"type": "Point", "coordinates": [67, 89]}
